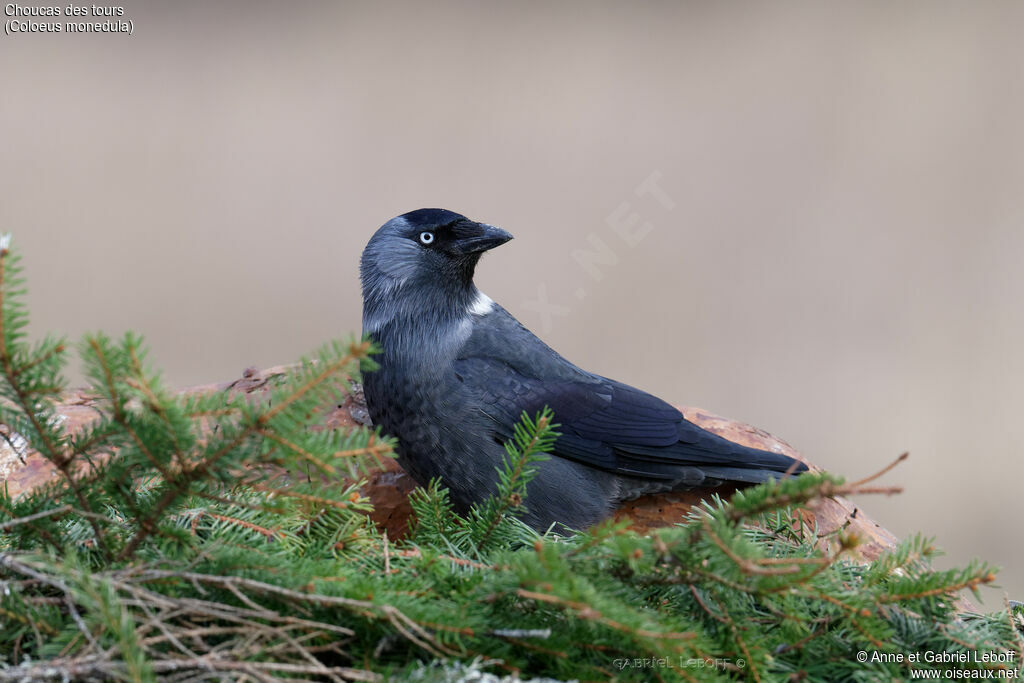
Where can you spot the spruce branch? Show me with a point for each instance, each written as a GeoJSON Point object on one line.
{"type": "Point", "coordinates": [253, 425]}
{"type": "Point", "coordinates": [220, 558]}
{"type": "Point", "coordinates": [23, 373]}
{"type": "Point", "coordinates": [28, 519]}
{"type": "Point", "coordinates": [586, 611]}
{"type": "Point", "coordinates": [530, 439]}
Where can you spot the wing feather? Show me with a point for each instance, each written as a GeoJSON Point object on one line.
{"type": "Point", "coordinates": [603, 423]}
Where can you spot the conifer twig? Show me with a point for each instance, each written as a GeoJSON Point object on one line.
{"type": "Point", "coordinates": [324, 467]}
{"type": "Point", "coordinates": [52, 451]}
{"type": "Point", "coordinates": [971, 583]}
{"type": "Point", "coordinates": [585, 611]}
{"type": "Point", "coordinates": [881, 472]}
{"type": "Point", "coordinates": [523, 453]}
{"type": "Point", "coordinates": [28, 519]}
{"type": "Point", "coordinates": [7, 560]}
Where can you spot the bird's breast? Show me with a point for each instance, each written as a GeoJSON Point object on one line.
{"type": "Point", "coordinates": [427, 408]}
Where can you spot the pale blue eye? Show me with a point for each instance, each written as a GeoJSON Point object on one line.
{"type": "Point", "coordinates": [426, 237]}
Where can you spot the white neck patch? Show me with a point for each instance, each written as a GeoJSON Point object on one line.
{"type": "Point", "coordinates": [482, 305]}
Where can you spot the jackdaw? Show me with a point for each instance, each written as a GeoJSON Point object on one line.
{"type": "Point", "coordinates": [456, 371]}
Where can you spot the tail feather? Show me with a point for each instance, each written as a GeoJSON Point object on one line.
{"type": "Point", "coordinates": [710, 452]}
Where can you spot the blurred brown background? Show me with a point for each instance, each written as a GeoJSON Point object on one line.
{"type": "Point", "coordinates": [833, 252]}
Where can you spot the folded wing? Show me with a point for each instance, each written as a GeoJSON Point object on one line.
{"type": "Point", "coordinates": [615, 427]}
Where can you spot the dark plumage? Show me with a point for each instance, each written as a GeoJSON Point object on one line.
{"type": "Point", "coordinates": [457, 371]}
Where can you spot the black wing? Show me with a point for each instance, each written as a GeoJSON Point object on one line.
{"type": "Point", "coordinates": [603, 423]}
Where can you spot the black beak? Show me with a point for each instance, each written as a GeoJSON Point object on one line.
{"type": "Point", "coordinates": [479, 238]}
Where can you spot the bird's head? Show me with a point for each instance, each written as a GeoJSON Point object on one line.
{"type": "Point", "coordinates": [426, 257]}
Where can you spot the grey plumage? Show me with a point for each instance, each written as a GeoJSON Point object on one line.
{"type": "Point", "coordinates": [457, 371]}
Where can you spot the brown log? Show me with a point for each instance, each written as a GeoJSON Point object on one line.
{"type": "Point", "coordinates": [388, 487]}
